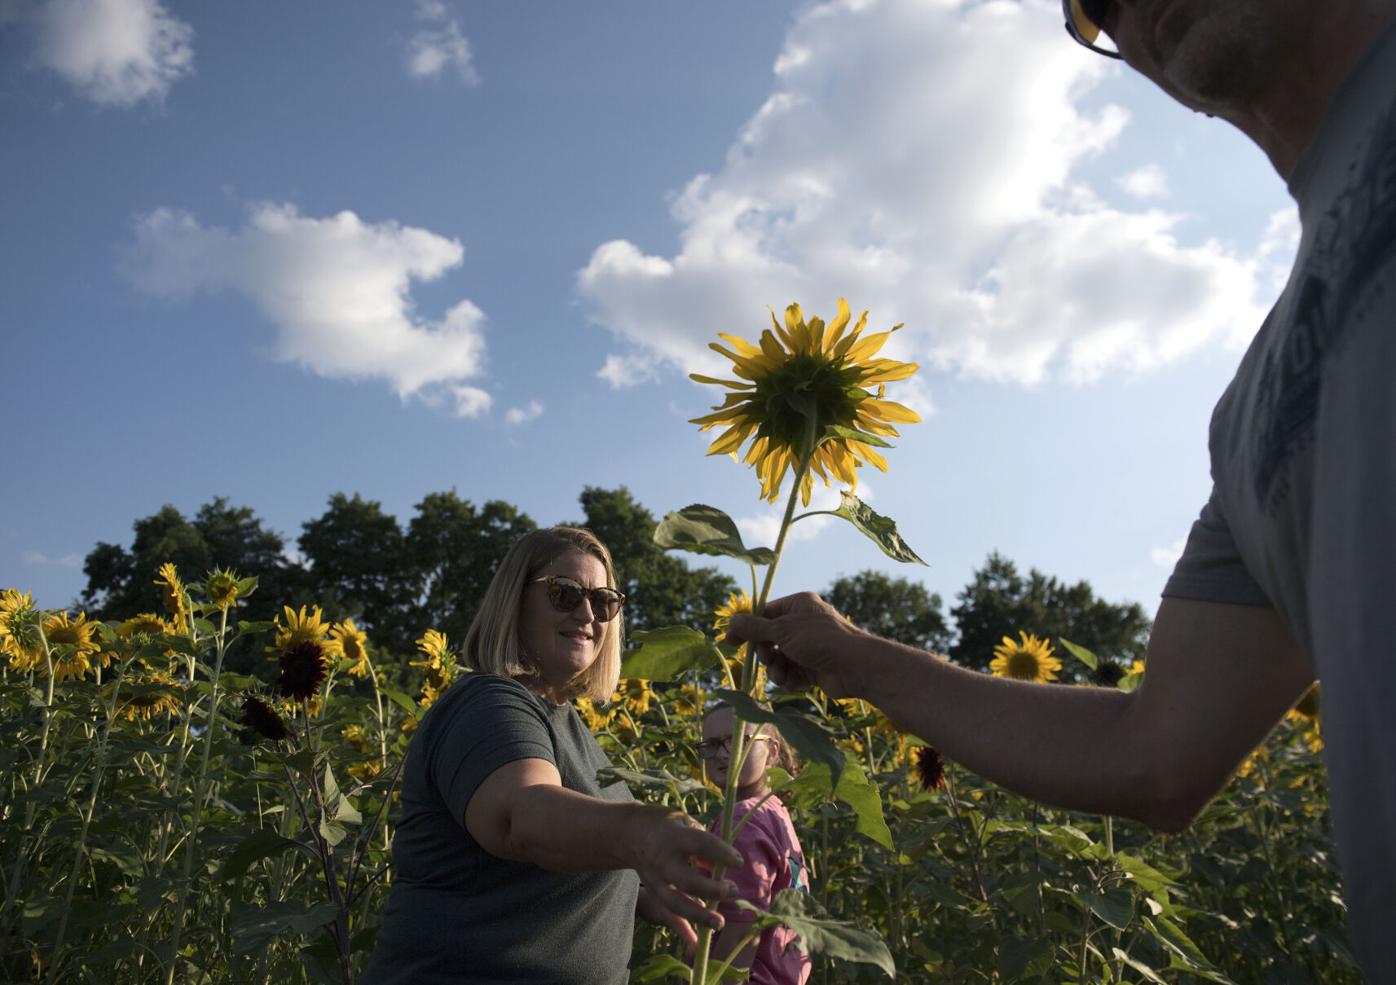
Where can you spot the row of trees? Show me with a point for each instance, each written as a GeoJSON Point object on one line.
{"type": "Point", "coordinates": [359, 562]}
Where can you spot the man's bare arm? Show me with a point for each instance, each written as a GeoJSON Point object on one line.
{"type": "Point", "coordinates": [1219, 677]}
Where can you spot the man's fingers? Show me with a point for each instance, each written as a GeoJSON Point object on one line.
{"type": "Point", "coordinates": [746, 628]}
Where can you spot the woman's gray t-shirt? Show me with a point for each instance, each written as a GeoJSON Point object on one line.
{"type": "Point", "coordinates": [457, 914]}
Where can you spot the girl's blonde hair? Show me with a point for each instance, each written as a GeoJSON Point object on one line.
{"type": "Point", "coordinates": [492, 646]}
{"type": "Point", "coordinates": [786, 757]}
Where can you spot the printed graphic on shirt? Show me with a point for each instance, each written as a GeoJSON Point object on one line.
{"type": "Point", "coordinates": [797, 872]}
{"type": "Point", "coordinates": [1353, 244]}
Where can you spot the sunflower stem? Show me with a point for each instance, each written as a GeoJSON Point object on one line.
{"type": "Point", "coordinates": [703, 952]}
{"type": "Point", "coordinates": [17, 870]}
{"type": "Point", "coordinates": [81, 851]}
{"type": "Point", "coordinates": [200, 796]}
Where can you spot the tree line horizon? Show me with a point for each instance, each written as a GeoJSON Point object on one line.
{"type": "Point", "coordinates": [357, 561]}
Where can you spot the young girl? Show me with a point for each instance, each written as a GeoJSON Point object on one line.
{"type": "Point", "coordinates": [767, 841]}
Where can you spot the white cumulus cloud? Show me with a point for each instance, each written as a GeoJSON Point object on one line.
{"type": "Point", "coordinates": [522, 415]}
{"type": "Point", "coordinates": [1166, 557]}
{"type": "Point", "coordinates": [115, 52]}
{"type": "Point", "coordinates": [918, 157]}
{"type": "Point", "coordinates": [1148, 181]}
{"type": "Point", "coordinates": [38, 557]}
{"type": "Point", "coordinates": [439, 44]}
{"type": "Point", "coordinates": [338, 290]}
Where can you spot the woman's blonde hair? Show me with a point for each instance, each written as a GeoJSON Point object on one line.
{"type": "Point", "coordinates": [493, 644]}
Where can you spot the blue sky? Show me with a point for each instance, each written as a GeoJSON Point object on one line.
{"type": "Point", "coordinates": [272, 252]}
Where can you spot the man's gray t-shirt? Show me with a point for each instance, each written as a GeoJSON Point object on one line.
{"type": "Point", "coordinates": [1302, 514]}
{"type": "Point", "coordinates": [457, 914]}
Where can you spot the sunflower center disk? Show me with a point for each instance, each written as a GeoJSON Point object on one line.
{"type": "Point", "coordinates": [806, 381]}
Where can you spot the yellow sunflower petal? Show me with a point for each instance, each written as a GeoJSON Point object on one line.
{"type": "Point", "coordinates": [887, 371]}
{"type": "Point", "coordinates": [734, 384]}
{"type": "Point", "coordinates": [890, 410]}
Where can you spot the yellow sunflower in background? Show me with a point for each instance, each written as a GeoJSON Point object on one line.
{"type": "Point", "coordinates": [78, 633]}
{"type": "Point", "coordinates": [596, 719]}
{"type": "Point", "coordinates": [172, 593]}
{"type": "Point", "coordinates": [144, 624]}
{"type": "Point", "coordinates": [146, 696]}
{"type": "Point", "coordinates": [634, 694]}
{"type": "Point", "coordinates": [738, 601]}
{"type": "Point", "coordinates": [1304, 716]}
{"type": "Point", "coordinates": [367, 770]}
{"type": "Point", "coordinates": [221, 588]}
{"type": "Point", "coordinates": [353, 646]}
{"type": "Point", "coordinates": [357, 737]}
{"type": "Point", "coordinates": [440, 666]}
{"type": "Point", "coordinates": [1028, 659]}
{"type": "Point", "coordinates": [19, 634]}
{"type": "Point", "coordinates": [806, 369]}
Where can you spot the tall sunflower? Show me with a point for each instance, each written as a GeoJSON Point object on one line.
{"type": "Point", "coordinates": [807, 370]}
{"type": "Point", "coordinates": [303, 653]}
{"type": "Point", "coordinates": [60, 631]}
{"type": "Point", "coordinates": [146, 696]}
{"type": "Point", "coordinates": [222, 589]}
{"type": "Point", "coordinates": [1029, 659]}
{"type": "Point", "coordinates": [440, 666]}
{"type": "Point", "coordinates": [173, 594]}
{"type": "Point", "coordinates": [353, 646]}
{"type": "Point", "coordinates": [19, 634]}
{"type": "Point", "coordinates": [144, 624]}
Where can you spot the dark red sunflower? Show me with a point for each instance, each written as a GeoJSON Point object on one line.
{"type": "Point", "coordinates": [929, 766]}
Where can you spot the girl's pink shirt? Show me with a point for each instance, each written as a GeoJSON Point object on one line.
{"type": "Point", "coordinates": [774, 861]}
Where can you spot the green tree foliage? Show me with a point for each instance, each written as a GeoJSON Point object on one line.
{"type": "Point", "coordinates": [120, 581]}
{"type": "Point", "coordinates": [660, 589]}
{"type": "Point", "coordinates": [354, 556]}
{"type": "Point", "coordinates": [1000, 602]}
{"type": "Point", "coordinates": [895, 608]}
{"type": "Point", "coordinates": [451, 551]}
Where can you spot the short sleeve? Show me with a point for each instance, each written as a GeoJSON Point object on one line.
{"type": "Point", "coordinates": [756, 880]}
{"type": "Point", "coordinates": [495, 721]}
{"type": "Point", "coordinates": [1211, 569]}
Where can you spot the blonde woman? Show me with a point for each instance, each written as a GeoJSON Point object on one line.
{"type": "Point", "coordinates": [510, 862]}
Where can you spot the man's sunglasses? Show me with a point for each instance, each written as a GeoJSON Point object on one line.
{"type": "Point", "coordinates": [1084, 21]}
{"type": "Point", "coordinates": [566, 594]}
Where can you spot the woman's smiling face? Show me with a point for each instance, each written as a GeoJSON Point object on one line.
{"type": "Point", "coordinates": [561, 646]}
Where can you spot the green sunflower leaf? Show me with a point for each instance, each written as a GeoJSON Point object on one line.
{"type": "Point", "coordinates": [854, 789]}
{"type": "Point", "coordinates": [707, 530]}
{"type": "Point", "coordinates": [254, 928]}
{"type": "Point", "coordinates": [661, 967]}
{"type": "Point", "coordinates": [834, 431]}
{"type": "Point", "coordinates": [1080, 653]}
{"type": "Point", "coordinates": [820, 935]}
{"type": "Point", "coordinates": [649, 778]}
{"type": "Point", "coordinates": [881, 530]}
{"type": "Point", "coordinates": [664, 654]}
{"type": "Point", "coordinates": [260, 844]}
{"type": "Point", "coordinates": [806, 735]}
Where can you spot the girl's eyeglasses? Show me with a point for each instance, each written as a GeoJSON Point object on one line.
{"type": "Point", "coordinates": [1084, 19]}
{"type": "Point", "coordinates": [709, 748]}
{"type": "Point", "coordinates": [566, 594]}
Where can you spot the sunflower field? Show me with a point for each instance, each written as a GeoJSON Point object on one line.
{"type": "Point", "coordinates": [165, 818]}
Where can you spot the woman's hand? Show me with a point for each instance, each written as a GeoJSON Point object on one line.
{"type": "Point", "coordinates": [652, 910]}
{"type": "Point", "coordinates": [664, 846]}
